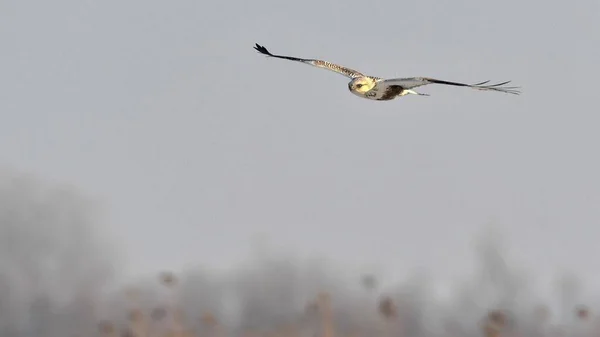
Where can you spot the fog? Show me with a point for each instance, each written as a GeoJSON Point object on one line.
{"type": "Point", "coordinates": [54, 260]}
{"type": "Point", "coordinates": [62, 275]}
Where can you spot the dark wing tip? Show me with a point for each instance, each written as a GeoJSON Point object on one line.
{"type": "Point", "coordinates": [498, 87]}
{"type": "Point", "coordinates": [262, 49]}
{"type": "Point", "coordinates": [481, 83]}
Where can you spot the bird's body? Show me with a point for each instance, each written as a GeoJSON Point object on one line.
{"type": "Point", "coordinates": [380, 89]}
{"type": "Point", "coordinates": [377, 89]}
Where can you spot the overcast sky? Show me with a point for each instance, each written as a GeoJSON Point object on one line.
{"type": "Point", "coordinates": [192, 142]}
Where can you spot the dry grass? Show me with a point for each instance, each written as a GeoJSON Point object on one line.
{"type": "Point", "coordinates": [170, 320]}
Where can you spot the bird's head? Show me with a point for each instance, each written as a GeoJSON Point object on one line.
{"type": "Point", "coordinates": [361, 84]}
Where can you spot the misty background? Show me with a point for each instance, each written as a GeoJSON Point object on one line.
{"type": "Point", "coordinates": [143, 136]}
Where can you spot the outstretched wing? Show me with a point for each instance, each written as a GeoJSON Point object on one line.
{"type": "Point", "coordinates": [413, 82]}
{"type": "Point", "coordinates": [351, 73]}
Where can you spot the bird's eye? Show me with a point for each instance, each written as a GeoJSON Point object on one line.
{"type": "Point", "coordinates": [359, 85]}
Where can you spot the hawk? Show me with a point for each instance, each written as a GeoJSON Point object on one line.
{"type": "Point", "coordinates": [380, 89]}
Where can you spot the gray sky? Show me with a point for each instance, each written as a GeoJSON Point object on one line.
{"type": "Point", "coordinates": [192, 142]}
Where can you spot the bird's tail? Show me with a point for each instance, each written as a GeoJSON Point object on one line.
{"type": "Point", "coordinates": [412, 92]}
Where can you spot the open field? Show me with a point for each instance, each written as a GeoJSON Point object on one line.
{"type": "Point", "coordinates": [60, 277]}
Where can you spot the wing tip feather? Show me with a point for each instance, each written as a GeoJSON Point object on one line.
{"type": "Point", "coordinates": [498, 87]}
{"type": "Point", "coordinates": [262, 49]}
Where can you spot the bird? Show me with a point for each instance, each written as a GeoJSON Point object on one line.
{"type": "Point", "coordinates": [381, 89]}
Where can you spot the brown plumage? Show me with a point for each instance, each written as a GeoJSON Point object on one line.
{"type": "Point", "coordinates": [391, 92]}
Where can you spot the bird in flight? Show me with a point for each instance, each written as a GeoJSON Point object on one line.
{"type": "Point", "coordinates": [380, 89]}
